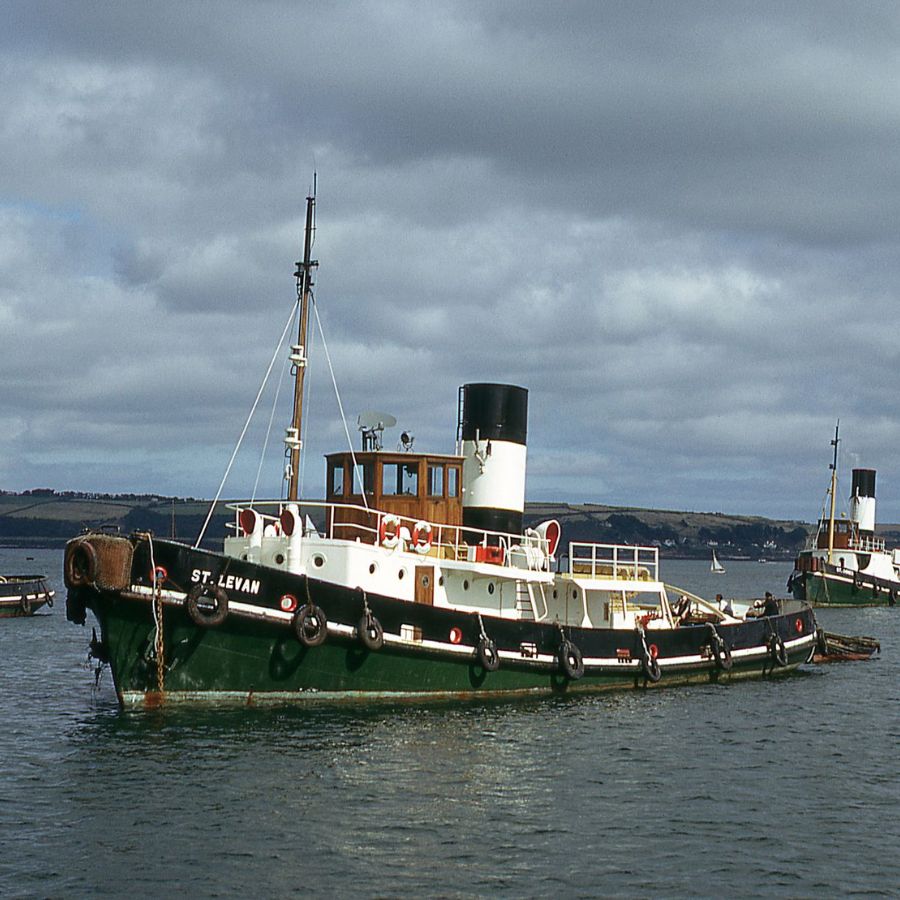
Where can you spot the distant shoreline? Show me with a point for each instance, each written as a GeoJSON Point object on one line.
{"type": "Point", "coordinates": [46, 518]}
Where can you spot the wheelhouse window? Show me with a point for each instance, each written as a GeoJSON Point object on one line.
{"type": "Point", "coordinates": [452, 481]}
{"type": "Point", "coordinates": [409, 479]}
{"type": "Point", "coordinates": [337, 480]}
{"type": "Point", "coordinates": [365, 476]}
{"type": "Point", "coordinates": [436, 481]}
{"type": "Point", "coordinates": [400, 478]}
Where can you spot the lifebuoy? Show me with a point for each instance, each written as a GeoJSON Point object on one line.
{"type": "Point", "coordinates": [798, 626]}
{"type": "Point", "coordinates": [207, 604]}
{"type": "Point", "coordinates": [455, 635]}
{"type": "Point", "coordinates": [370, 632]}
{"type": "Point", "coordinates": [486, 653]}
{"type": "Point", "coordinates": [421, 537]}
{"type": "Point", "coordinates": [570, 660]}
{"type": "Point", "coordinates": [389, 539]}
{"type": "Point", "coordinates": [310, 625]}
{"type": "Point", "coordinates": [81, 564]}
{"type": "Point", "coordinates": [778, 650]}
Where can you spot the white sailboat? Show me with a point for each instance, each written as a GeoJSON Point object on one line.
{"type": "Point", "coordinates": [716, 566]}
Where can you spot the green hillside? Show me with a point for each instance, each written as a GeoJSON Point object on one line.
{"type": "Point", "coordinates": [44, 517]}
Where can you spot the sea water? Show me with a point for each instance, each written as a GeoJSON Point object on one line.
{"type": "Point", "coordinates": [781, 788]}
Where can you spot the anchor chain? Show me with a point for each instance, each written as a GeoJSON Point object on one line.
{"type": "Point", "coordinates": [158, 646]}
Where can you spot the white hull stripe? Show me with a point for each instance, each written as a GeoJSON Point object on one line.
{"type": "Point", "coordinates": [467, 650]}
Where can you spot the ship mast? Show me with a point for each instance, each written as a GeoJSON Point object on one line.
{"type": "Point", "coordinates": [298, 351]}
{"type": "Point", "coordinates": [833, 468]}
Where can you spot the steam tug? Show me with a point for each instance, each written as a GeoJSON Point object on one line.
{"type": "Point", "coordinates": [414, 578]}
{"type": "Point", "coordinates": [847, 564]}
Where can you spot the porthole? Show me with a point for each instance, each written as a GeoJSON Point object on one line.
{"type": "Point", "coordinates": [401, 573]}
{"type": "Point", "coordinates": [318, 560]}
{"type": "Point", "coordinates": [279, 559]}
{"type": "Point", "coordinates": [244, 556]}
{"type": "Point", "coordinates": [465, 584]}
{"type": "Point", "coordinates": [441, 581]}
{"type": "Point", "coordinates": [555, 593]}
{"type": "Point", "coordinates": [575, 595]}
{"type": "Point", "coordinates": [372, 568]}
{"type": "Point", "coordinates": [490, 587]}
{"type": "Point", "coordinates": [425, 581]}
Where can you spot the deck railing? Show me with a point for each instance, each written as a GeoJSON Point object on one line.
{"type": "Point", "coordinates": [616, 561]}
{"type": "Point", "coordinates": [351, 522]}
{"type": "Point", "coordinates": [867, 544]}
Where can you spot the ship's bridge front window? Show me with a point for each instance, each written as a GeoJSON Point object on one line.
{"type": "Point", "coordinates": [436, 481]}
{"type": "Point", "coordinates": [400, 478]}
{"type": "Point", "coordinates": [365, 476]}
{"type": "Point", "coordinates": [337, 480]}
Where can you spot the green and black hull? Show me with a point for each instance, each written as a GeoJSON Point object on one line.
{"type": "Point", "coordinates": [832, 586]}
{"type": "Point", "coordinates": [160, 650]}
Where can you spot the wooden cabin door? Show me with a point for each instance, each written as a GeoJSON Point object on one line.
{"type": "Point", "coordinates": [425, 585]}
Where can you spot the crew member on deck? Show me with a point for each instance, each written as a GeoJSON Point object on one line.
{"type": "Point", "coordinates": [724, 605]}
{"type": "Point", "coordinates": [770, 608]}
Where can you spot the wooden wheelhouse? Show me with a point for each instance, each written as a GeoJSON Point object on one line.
{"type": "Point", "coordinates": [418, 486]}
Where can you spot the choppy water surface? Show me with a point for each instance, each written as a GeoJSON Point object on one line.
{"type": "Point", "coordinates": [783, 788]}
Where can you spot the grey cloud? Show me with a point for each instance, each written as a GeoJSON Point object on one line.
{"type": "Point", "coordinates": [675, 223]}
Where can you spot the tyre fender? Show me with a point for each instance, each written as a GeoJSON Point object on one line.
{"type": "Point", "coordinates": [310, 625]}
{"type": "Point", "coordinates": [571, 662]}
{"type": "Point", "coordinates": [207, 605]}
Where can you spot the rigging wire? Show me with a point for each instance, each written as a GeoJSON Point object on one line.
{"type": "Point", "coordinates": [246, 426]}
{"type": "Point", "coordinates": [278, 385]}
{"type": "Point", "coordinates": [337, 394]}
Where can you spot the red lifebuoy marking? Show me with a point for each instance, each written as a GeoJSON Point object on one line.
{"type": "Point", "coordinates": [421, 537]}
{"type": "Point", "coordinates": [384, 536]}
{"type": "Point", "coordinates": [288, 602]}
{"type": "Point", "coordinates": [798, 626]}
{"type": "Point", "coordinates": [455, 635]}
{"type": "Point", "coordinates": [161, 573]}
{"type": "Point", "coordinates": [654, 651]}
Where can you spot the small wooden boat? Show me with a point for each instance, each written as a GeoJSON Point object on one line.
{"type": "Point", "coordinates": [23, 595]}
{"type": "Point", "coordinates": [831, 647]}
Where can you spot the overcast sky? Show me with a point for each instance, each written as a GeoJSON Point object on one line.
{"type": "Point", "coordinates": [675, 223]}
